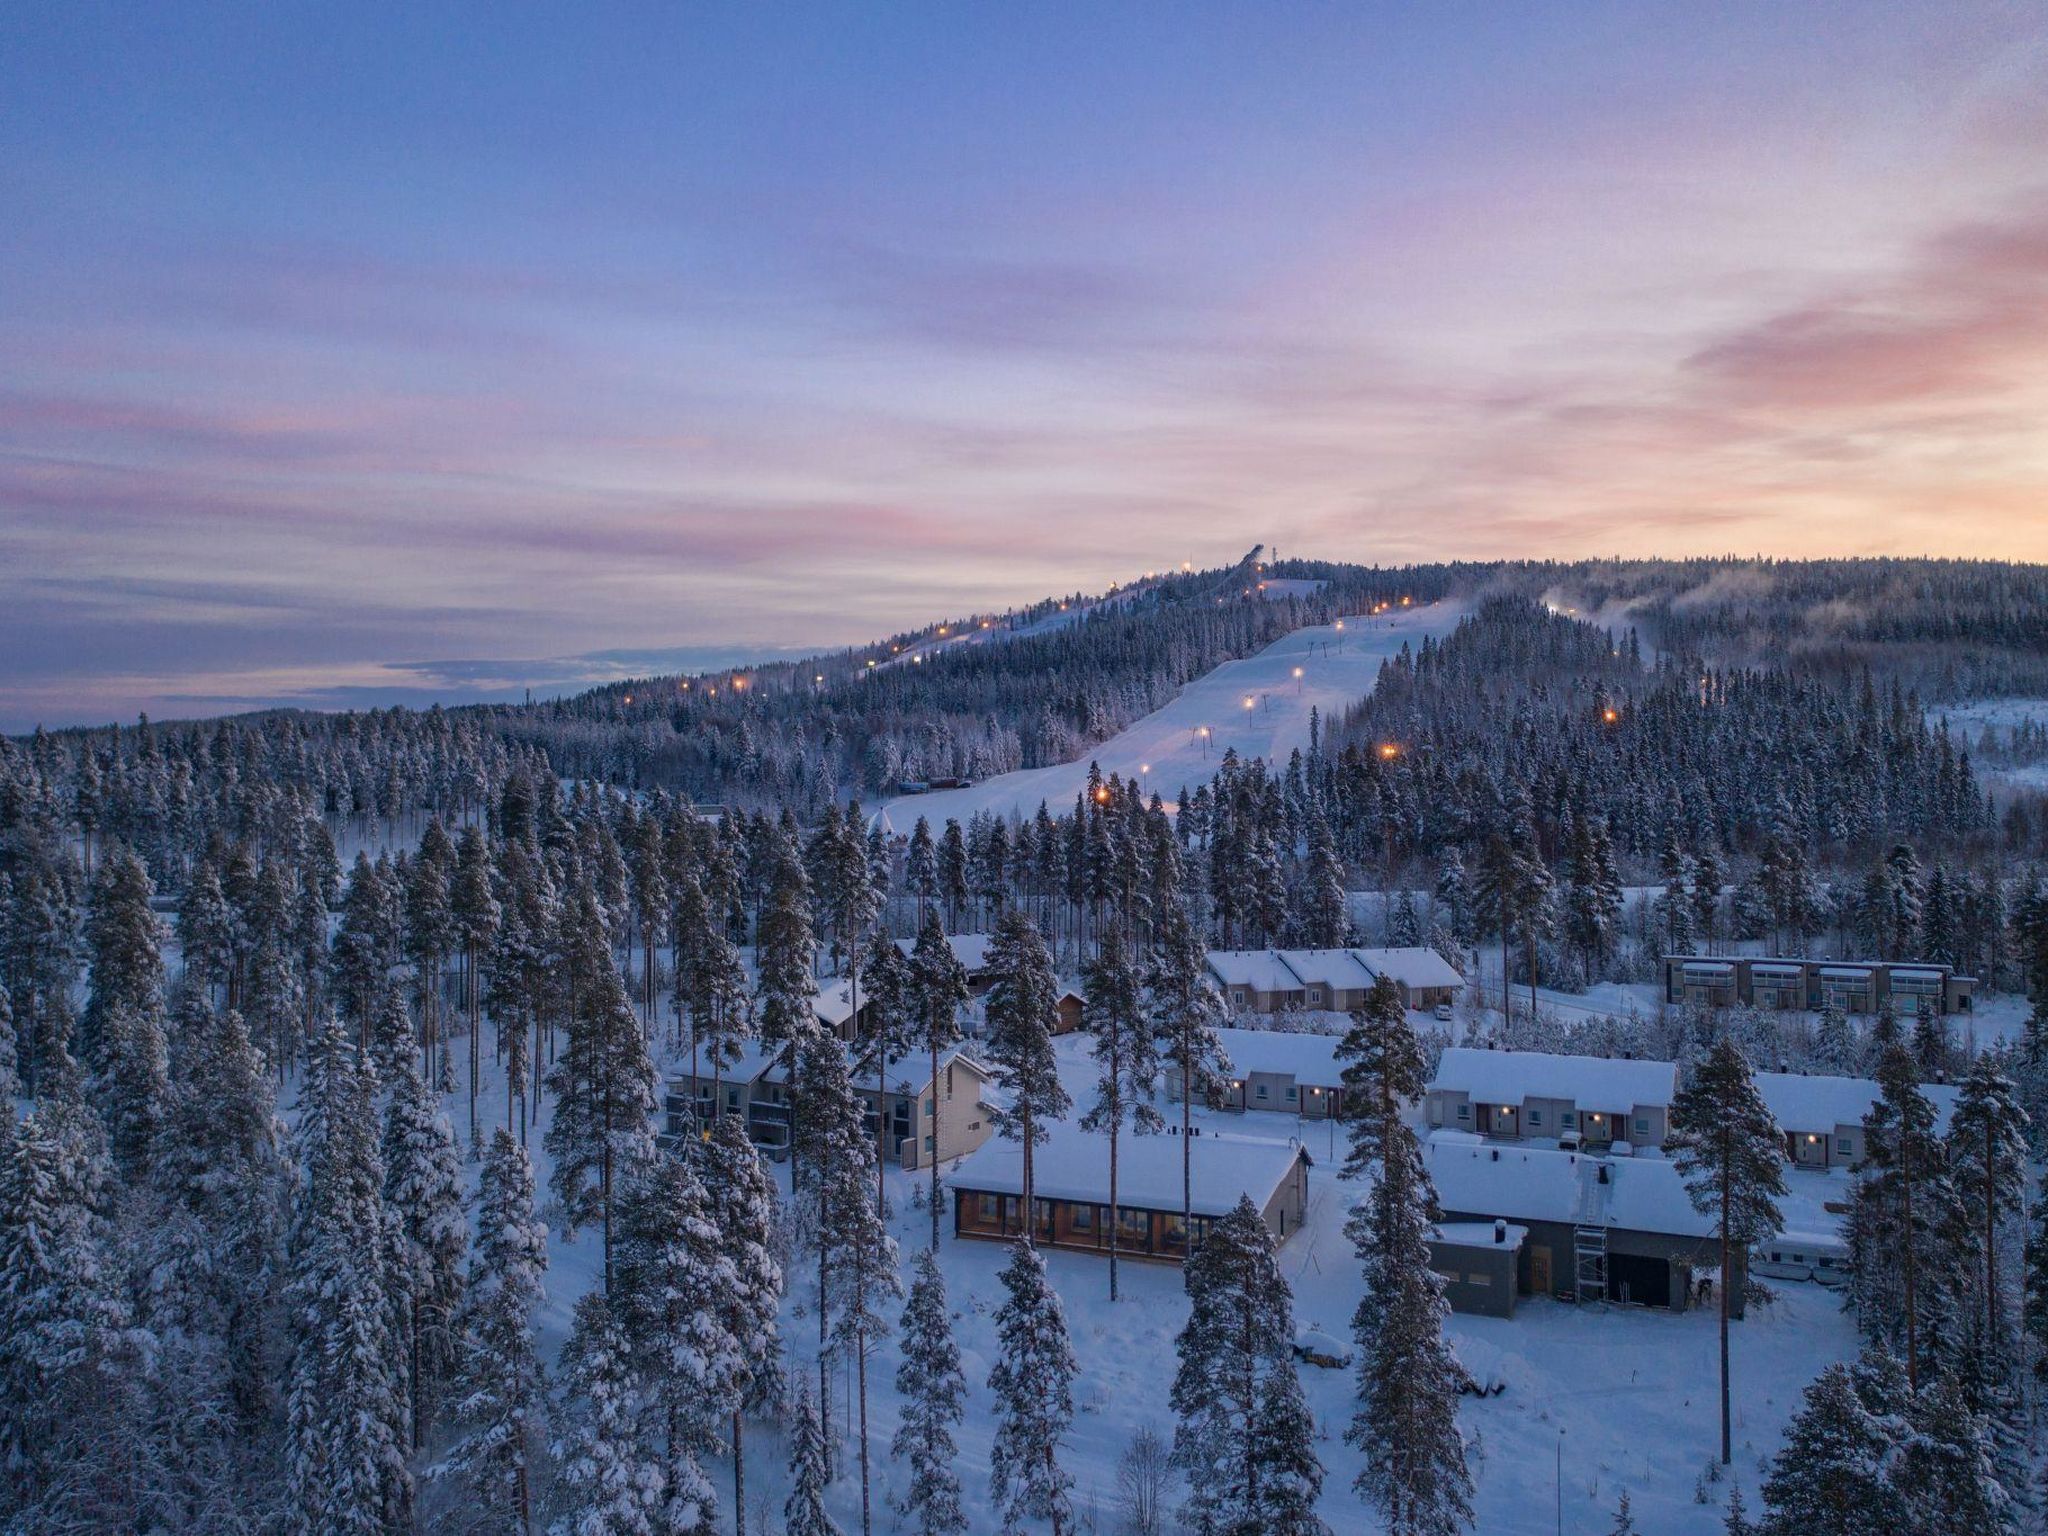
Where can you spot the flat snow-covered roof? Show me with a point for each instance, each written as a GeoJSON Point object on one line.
{"type": "Point", "coordinates": [1477, 1234]}
{"type": "Point", "coordinates": [1598, 1082]}
{"type": "Point", "coordinates": [1074, 1165]}
{"type": "Point", "coordinates": [1309, 1058]}
{"type": "Point", "coordinates": [1412, 966]}
{"type": "Point", "coordinates": [1814, 1104]}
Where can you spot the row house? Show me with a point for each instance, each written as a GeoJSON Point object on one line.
{"type": "Point", "coordinates": [1294, 1074]}
{"type": "Point", "coordinates": [1592, 1101]}
{"type": "Point", "coordinates": [1070, 1190]}
{"type": "Point", "coordinates": [1329, 980]}
{"type": "Point", "coordinates": [903, 1107]}
{"type": "Point", "coordinates": [1853, 986]}
{"type": "Point", "coordinates": [1821, 1117]}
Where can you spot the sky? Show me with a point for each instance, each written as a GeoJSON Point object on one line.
{"type": "Point", "coordinates": [362, 354]}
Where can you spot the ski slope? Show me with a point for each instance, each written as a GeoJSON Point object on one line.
{"type": "Point", "coordinates": [1166, 751]}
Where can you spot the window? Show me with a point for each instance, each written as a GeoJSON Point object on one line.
{"type": "Point", "coordinates": [1568, 1118]}
{"type": "Point", "coordinates": [988, 1207]}
{"type": "Point", "coordinates": [1135, 1223]}
{"type": "Point", "coordinates": [1842, 1145]}
{"type": "Point", "coordinates": [927, 1143]}
{"type": "Point", "coordinates": [1476, 1278]}
{"type": "Point", "coordinates": [1262, 1090]}
{"type": "Point", "coordinates": [1464, 1111]}
{"type": "Point", "coordinates": [1315, 994]}
{"type": "Point", "coordinates": [930, 1109]}
{"type": "Point", "coordinates": [1642, 1125]}
{"type": "Point", "coordinates": [1237, 996]}
{"type": "Point", "coordinates": [1293, 1093]}
{"type": "Point", "coordinates": [1535, 1118]}
{"type": "Point", "coordinates": [1084, 1218]}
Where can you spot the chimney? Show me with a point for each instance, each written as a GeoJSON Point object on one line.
{"type": "Point", "coordinates": [1500, 1230]}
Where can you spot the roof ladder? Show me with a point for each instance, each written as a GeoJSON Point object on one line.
{"type": "Point", "coordinates": [1589, 1234]}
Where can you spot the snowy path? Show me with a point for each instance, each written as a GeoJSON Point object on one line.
{"type": "Point", "coordinates": [1338, 668]}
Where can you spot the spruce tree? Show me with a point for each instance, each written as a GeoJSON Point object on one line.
{"type": "Point", "coordinates": [429, 1234]}
{"type": "Point", "coordinates": [1033, 1382]}
{"type": "Point", "coordinates": [604, 1084]}
{"type": "Point", "coordinates": [1288, 1479]}
{"type": "Point", "coordinates": [608, 1485]}
{"type": "Point", "coordinates": [804, 1512]}
{"type": "Point", "coordinates": [499, 1404]}
{"type": "Point", "coordinates": [1987, 1149]}
{"type": "Point", "coordinates": [741, 1202]}
{"type": "Point", "coordinates": [1728, 1151]}
{"type": "Point", "coordinates": [669, 1298]}
{"type": "Point", "coordinates": [933, 1393]}
{"type": "Point", "coordinates": [345, 1467]}
{"type": "Point", "coordinates": [64, 1319]}
{"type": "Point", "coordinates": [1832, 1476]}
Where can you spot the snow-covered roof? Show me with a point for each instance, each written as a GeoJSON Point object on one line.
{"type": "Point", "coordinates": [1260, 969]}
{"type": "Point", "coordinates": [1307, 1058]}
{"type": "Point", "coordinates": [1509, 1077]}
{"type": "Point", "coordinates": [1800, 1103]}
{"type": "Point", "coordinates": [1413, 966]}
{"type": "Point", "coordinates": [1711, 967]}
{"type": "Point", "coordinates": [911, 1072]}
{"type": "Point", "coordinates": [970, 949]}
{"type": "Point", "coordinates": [1536, 1184]}
{"type": "Point", "coordinates": [1074, 1165]}
{"type": "Point", "coordinates": [1777, 968]}
{"type": "Point", "coordinates": [1916, 972]}
{"type": "Point", "coordinates": [835, 1002]}
{"type": "Point", "coordinates": [1477, 1234]}
{"type": "Point", "coordinates": [1845, 972]}
{"type": "Point", "coordinates": [1336, 968]}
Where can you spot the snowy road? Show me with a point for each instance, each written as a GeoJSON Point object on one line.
{"type": "Point", "coordinates": [1338, 668]}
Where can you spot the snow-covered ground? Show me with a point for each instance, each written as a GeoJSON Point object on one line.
{"type": "Point", "coordinates": [1628, 1396]}
{"type": "Point", "coordinates": [1166, 750]}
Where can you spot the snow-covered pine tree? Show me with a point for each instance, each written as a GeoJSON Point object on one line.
{"type": "Point", "coordinates": [608, 1485]}
{"type": "Point", "coordinates": [804, 1512]}
{"type": "Point", "coordinates": [603, 1082]}
{"type": "Point", "coordinates": [124, 952]}
{"type": "Point", "coordinates": [1728, 1151]}
{"type": "Point", "coordinates": [1289, 1477]}
{"type": "Point", "coordinates": [1624, 1518]}
{"type": "Point", "coordinates": [64, 1319]}
{"type": "Point", "coordinates": [1126, 1056]}
{"type": "Point", "coordinates": [933, 1392]}
{"type": "Point", "coordinates": [854, 1245]}
{"type": "Point", "coordinates": [670, 1296]}
{"type": "Point", "coordinates": [1903, 1213]}
{"type": "Point", "coordinates": [1240, 1321]}
{"type": "Point", "coordinates": [1987, 1150]}
{"type": "Point", "coordinates": [1183, 1008]}
{"type": "Point", "coordinates": [500, 1399]}
{"type": "Point", "coordinates": [741, 1201]}
{"type": "Point", "coordinates": [429, 1232]}
{"type": "Point", "coordinates": [1407, 1421]}
{"type": "Point", "coordinates": [1033, 1383]}
{"type": "Point", "coordinates": [1023, 1010]}
{"type": "Point", "coordinates": [473, 908]}
{"type": "Point", "coordinates": [1946, 1476]}
{"type": "Point", "coordinates": [345, 1468]}
{"type": "Point", "coordinates": [938, 986]}
{"type": "Point", "coordinates": [1832, 1476]}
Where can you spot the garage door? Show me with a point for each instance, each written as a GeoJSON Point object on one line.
{"type": "Point", "coordinates": [1642, 1282]}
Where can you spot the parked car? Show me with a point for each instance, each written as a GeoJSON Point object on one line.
{"type": "Point", "coordinates": [1443, 1013]}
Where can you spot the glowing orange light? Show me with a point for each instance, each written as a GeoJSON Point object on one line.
{"type": "Point", "coordinates": [1389, 750]}
{"type": "Point", "coordinates": [629, 698]}
{"type": "Point", "coordinates": [1610, 715]}
{"type": "Point", "coordinates": [1101, 792]}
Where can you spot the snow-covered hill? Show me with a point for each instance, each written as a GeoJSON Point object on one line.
{"type": "Point", "coordinates": [1167, 751]}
